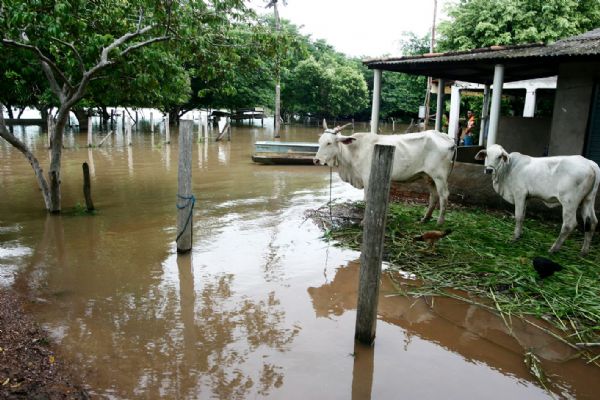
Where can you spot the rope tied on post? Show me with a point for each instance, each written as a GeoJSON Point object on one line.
{"type": "Point", "coordinates": [189, 200]}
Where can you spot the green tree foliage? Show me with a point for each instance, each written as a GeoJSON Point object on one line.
{"type": "Point", "coordinates": [324, 88]}
{"type": "Point", "coordinates": [482, 23]}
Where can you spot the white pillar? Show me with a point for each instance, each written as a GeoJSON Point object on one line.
{"type": "Point", "coordinates": [167, 130]}
{"type": "Point", "coordinates": [529, 108]}
{"type": "Point", "coordinates": [454, 112]}
{"type": "Point", "coordinates": [376, 97]}
{"type": "Point", "coordinates": [440, 105]}
{"type": "Point", "coordinates": [495, 109]}
{"type": "Point", "coordinates": [128, 131]}
{"type": "Point", "coordinates": [151, 122]}
{"type": "Point", "coordinates": [485, 114]}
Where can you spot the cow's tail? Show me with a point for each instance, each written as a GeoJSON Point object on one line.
{"type": "Point", "coordinates": [589, 218]}
{"type": "Point", "coordinates": [455, 149]}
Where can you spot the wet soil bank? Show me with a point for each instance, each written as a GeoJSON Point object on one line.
{"type": "Point", "coordinates": [29, 366]}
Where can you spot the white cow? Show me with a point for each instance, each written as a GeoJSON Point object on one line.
{"type": "Point", "coordinates": [418, 155]}
{"type": "Point", "coordinates": [570, 181]}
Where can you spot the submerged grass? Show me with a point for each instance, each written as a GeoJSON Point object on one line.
{"type": "Point", "coordinates": [480, 258]}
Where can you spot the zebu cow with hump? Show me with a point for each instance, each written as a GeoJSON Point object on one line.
{"type": "Point", "coordinates": [570, 181]}
{"type": "Point", "coordinates": [426, 155]}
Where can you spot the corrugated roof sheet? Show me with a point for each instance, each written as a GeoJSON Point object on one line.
{"type": "Point", "coordinates": [521, 61]}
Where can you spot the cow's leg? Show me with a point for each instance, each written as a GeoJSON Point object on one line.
{"type": "Point", "coordinates": [589, 222]}
{"type": "Point", "coordinates": [433, 198]}
{"type": "Point", "coordinates": [569, 223]}
{"type": "Point", "coordinates": [441, 186]}
{"type": "Point", "coordinates": [520, 207]}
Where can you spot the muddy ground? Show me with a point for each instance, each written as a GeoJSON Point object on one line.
{"type": "Point", "coordinates": [30, 367]}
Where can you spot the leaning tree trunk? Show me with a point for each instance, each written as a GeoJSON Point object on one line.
{"type": "Point", "coordinates": [9, 110]}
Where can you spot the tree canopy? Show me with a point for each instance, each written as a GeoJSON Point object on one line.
{"type": "Point", "coordinates": [482, 23]}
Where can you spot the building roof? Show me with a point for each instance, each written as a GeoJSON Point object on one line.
{"type": "Point", "coordinates": [520, 61]}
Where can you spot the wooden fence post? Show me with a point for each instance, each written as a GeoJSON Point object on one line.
{"type": "Point", "coordinates": [372, 244]}
{"type": "Point", "coordinates": [185, 198]}
{"type": "Point", "coordinates": [87, 188]}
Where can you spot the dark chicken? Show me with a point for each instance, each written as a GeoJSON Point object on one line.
{"type": "Point", "coordinates": [545, 267]}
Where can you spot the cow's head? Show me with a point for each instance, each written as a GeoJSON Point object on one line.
{"type": "Point", "coordinates": [328, 145]}
{"type": "Point", "coordinates": [495, 158]}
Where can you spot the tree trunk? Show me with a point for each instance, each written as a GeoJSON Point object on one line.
{"type": "Point", "coordinates": [37, 170]}
{"type": "Point", "coordinates": [9, 110]}
{"type": "Point", "coordinates": [56, 145]}
{"type": "Point", "coordinates": [82, 116]}
{"type": "Point", "coordinates": [20, 113]}
{"type": "Point", "coordinates": [44, 113]}
{"type": "Point", "coordinates": [174, 115]}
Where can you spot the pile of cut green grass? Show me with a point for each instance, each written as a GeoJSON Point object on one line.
{"type": "Point", "coordinates": [480, 258]}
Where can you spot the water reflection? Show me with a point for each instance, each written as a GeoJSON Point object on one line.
{"type": "Point", "coordinates": [362, 371]}
{"type": "Point", "coordinates": [473, 332]}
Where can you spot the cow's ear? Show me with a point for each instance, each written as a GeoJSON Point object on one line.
{"type": "Point", "coordinates": [504, 156]}
{"type": "Point", "coordinates": [481, 155]}
{"type": "Point", "coordinates": [345, 139]}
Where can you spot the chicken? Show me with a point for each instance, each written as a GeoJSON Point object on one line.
{"type": "Point", "coordinates": [431, 237]}
{"type": "Point", "coordinates": [545, 267]}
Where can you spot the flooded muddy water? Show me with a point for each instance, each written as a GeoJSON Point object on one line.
{"type": "Point", "coordinates": [263, 307]}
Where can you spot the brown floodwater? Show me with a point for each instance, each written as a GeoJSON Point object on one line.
{"type": "Point", "coordinates": [261, 308]}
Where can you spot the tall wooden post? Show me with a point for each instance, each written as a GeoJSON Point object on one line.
{"type": "Point", "coordinates": [372, 244]}
{"type": "Point", "coordinates": [439, 113]}
{"type": "Point", "coordinates": [185, 199]}
{"type": "Point", "coordinates": [90, 141]}
{"type": "Point", "coordinates": [167, 130]}
{"type": "Point", "coordinates": [87, 188]}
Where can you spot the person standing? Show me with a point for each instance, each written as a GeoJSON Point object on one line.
{"type": "Point", "coordinates": [468, 134]}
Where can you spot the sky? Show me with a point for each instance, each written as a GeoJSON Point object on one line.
{"type": "Point", "coordinates": [359, 28]}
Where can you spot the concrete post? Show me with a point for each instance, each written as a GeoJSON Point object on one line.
{"type": "Point", "coordinates": [454, 112]}
{"type": "Point", "coordinates": [185, 199]}
{"type": "Point", "coordinates": [128, 131]}
{"type": "Point", "coordinates": [485, 115]}
{"type": "Point", "coordinates": [495, 108]}
{"type": "Point", "coordinates": [529, 108]}
{"type": "Point", "coordinates": [376, 98]}
{"type": "Point", "coordinates": [440, 105]}
{"type": "Point", "coordinates": [151, 122]}
{"type": "Point", "coordinates": [167, 130]}
{"type": "Point", "coordinates": [372, 245]}
{"type": "Point", "coordinates": [90, 140]}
